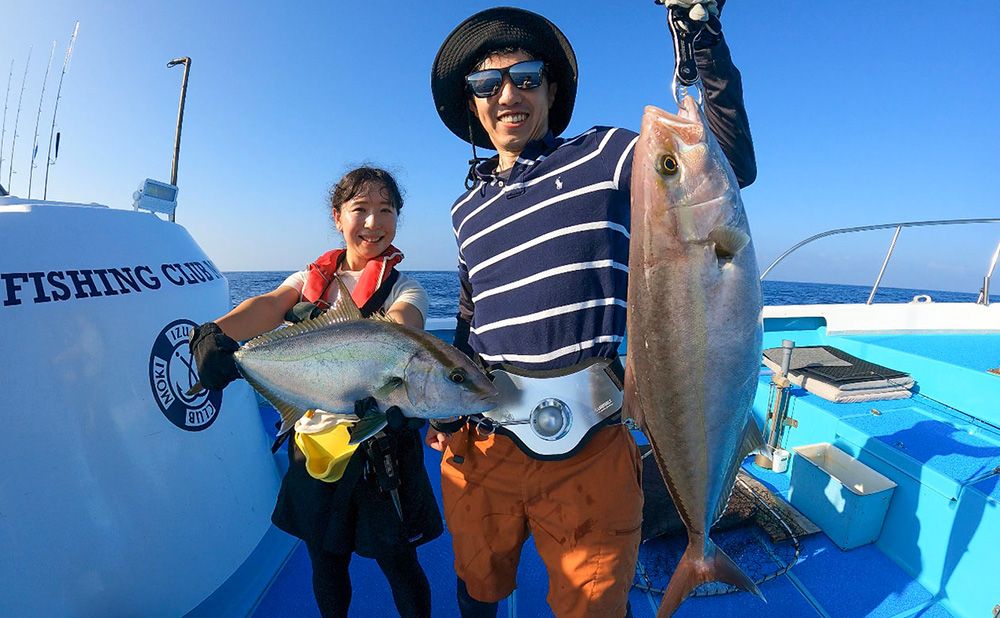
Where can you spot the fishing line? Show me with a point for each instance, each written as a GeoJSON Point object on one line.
{"type": "Point", "coordinates": [38, 120]}
{"type": "Point", "coordinates": [3, 131]}
{"type": "Point", "coordinates": [17, 120]}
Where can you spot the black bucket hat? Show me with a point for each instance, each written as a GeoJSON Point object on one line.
{"type": "Point", "coordinates": [491, 30]}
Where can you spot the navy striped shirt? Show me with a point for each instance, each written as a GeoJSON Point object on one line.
{"type": "Point", "coordinates": [545, 252]}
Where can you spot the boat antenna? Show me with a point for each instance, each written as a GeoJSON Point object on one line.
{"type": "Point", "coordinates": [3, 131]}
{"type": "Point", "coordinates": [38, 119]}
{"type": "Point", "coordinates": [50, 159]}
{"type": "Point", "coordinates": [180, 114]}
{"type": "Point", "coordinates": [17, 119]}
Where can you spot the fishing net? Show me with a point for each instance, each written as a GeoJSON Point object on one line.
{"type": "Point", "coordinates": [759, 531]}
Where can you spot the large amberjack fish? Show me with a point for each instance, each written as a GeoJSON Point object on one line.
{"type": "Point", "coordinates": [332, 361]}
{"type": "Point", "coordinates": [694, 330]}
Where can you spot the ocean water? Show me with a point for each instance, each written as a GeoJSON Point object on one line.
{"type": "Point", "coordinates": [442, 290]}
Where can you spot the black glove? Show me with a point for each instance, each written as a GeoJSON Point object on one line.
{"type": "Point", "coordinates": [711, 34]}
{"type": "Point", "coordinates": [366, 406]}
{"type": "Point", "coordinates": [398, 422]}
{"type": "Point", "coordinates": [303, 311]}
{"type": "Point", "coordinates": [698, 17]}
{"type": "Point", "coordinates": [213, 351]}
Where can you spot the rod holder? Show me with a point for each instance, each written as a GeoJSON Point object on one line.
{"type": "Point", "coordinates": [779, 408]}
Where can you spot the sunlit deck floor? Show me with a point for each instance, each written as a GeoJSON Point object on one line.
{"type": "Point", "coordinates": [825, 582]}
{"type": "Point", "coordinates": [941, 530]}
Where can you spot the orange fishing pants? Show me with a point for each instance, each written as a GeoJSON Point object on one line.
{"type": "Point", "coordinates": [584, 513]}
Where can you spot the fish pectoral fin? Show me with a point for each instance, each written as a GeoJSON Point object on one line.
{"type": "Point", "coordinates": [367, 427]}
{"type": "Point", "coordinates": [390, 385]}
{"type": "Point", "coordinates": [728, 242]}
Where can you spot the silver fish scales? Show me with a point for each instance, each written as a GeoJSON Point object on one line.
{"type": "Point", "coordinates": [338, 358]}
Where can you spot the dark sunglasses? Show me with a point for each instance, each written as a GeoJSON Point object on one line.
{"type": "Point", "coordinates": [525, 75]}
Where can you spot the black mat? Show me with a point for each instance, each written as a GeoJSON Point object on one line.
{"type": "Point", "coordinates": [834, 366]}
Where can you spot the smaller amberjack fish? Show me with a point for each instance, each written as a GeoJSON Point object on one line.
{"type": "Point", "coordinates": [332, 361]}
{"type": "Point", "coordinates": [694, 330]}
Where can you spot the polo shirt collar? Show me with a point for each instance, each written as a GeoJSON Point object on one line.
{"type": "Point", "coordinates": [486, 170]}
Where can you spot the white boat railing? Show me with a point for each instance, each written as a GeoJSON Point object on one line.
{"type": "Point", "coordinates": [984, 295]}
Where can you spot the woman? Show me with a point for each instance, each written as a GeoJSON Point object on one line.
{"type": "Point", "coordinates": [351, 514]}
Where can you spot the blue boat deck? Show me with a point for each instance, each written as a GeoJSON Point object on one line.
{"type": "Point", "coordinates": [815, 585]}
{"type": "Point", "coordinates": [941, 447]}
{"type": "Point", "coordinates": [936, 553]}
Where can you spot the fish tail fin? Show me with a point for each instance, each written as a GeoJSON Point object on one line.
{"type": "Point", "coordinates": [695, 570]}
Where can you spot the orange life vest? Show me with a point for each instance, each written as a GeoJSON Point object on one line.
{"type": "Point", "coordinates": [322, 271]}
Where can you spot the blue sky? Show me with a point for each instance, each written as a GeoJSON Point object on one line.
{"type": "Point", "coordinates": [861, 113]}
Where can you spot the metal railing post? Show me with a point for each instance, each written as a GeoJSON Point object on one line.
{"type": "Point", "coordinates": [984, 297]}
{"type": "Point", "coordinates": [885, 262]}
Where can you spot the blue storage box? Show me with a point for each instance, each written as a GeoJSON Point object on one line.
{"type": "Point", "coordinates": [844, 497]}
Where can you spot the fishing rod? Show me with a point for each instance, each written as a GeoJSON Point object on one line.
{"type": "Point", "coordinates": [3, 131]}
{"type": "Point", "coordinates": [50, 160]}
{"type": "Point", "coordinates": [38, 118]}
{"type": "Point", "coordinates": [17, 119]}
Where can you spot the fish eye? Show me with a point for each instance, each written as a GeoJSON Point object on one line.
{"type": "Point", "coordinates": [457, 376]}
{"type": "Point", "coordinates": [667, 165]}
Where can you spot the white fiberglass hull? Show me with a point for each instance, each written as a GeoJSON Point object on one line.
{"type": "Point", "coordinates": [118, 495]}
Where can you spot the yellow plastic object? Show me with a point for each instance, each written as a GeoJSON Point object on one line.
{"type": "Point", "coordinates": [327, 452]}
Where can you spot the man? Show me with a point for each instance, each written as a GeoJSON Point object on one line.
{"type": "Point", "coordinates": [543, 254]}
